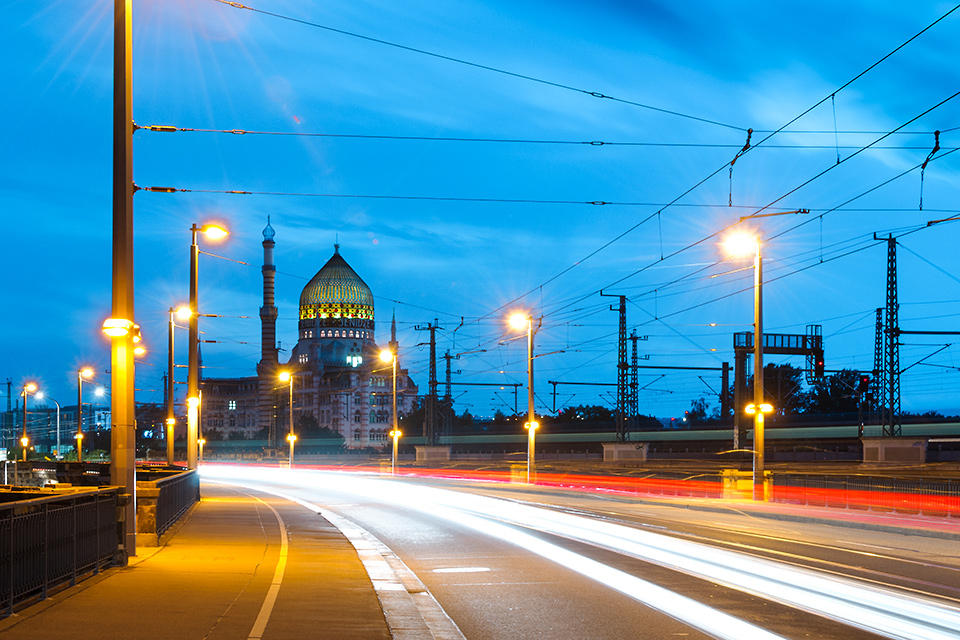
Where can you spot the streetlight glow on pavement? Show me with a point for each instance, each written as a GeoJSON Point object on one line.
{"type": "Point", "coordinates": [888, 612]}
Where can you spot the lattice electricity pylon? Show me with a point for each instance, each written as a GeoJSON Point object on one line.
{"type": "Point", "coordinates": [431, 432]}
{"type": "Point", "coordinates": [623, 434]}
{"type": "Point", "coordinates": [880, 398]}
{"type": "Point", "coordinates": [891, 421]}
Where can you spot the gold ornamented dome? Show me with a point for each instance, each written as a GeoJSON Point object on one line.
{"type": "Point", "coordinates": [337, 297]}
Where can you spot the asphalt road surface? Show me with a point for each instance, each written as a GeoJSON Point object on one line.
{"type": "Point", "coordinates": [515, 561]}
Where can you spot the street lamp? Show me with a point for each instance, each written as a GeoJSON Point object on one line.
{"type": "Point", "coordinates": [200, 443]}
{"type": "Point", "coordinates": [30, 387]}
{"type": "Point", "coordinates": [213, 232]}
{"type": "Point", "coordinates": [389, 356]}
{"type": "Point", "coordinates": [40, 395]}
{"type": "Point", "coordinates": [183, 313]}
{"type": "Point", "coordinates": [291, 438]}
{"type": "Point", "coordinates": [286, 376]}
{"type": "Point", "coordinates": [85, 372]}
{"type": "Point", "coordinates": [520, 321]}
{"type": "Point", "coordinates": [741, 244]}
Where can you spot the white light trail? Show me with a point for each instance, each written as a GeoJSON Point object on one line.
{"type": "Point", "coordinates": [887, 612]}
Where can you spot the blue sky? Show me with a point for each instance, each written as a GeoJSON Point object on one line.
{"type": "Point", "coordinates": [202, 64]}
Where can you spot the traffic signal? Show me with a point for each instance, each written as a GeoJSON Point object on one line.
{"type": "Point", "coordinates": [818, 369]}
{"type": "Point", "coordinates": [864, 385]}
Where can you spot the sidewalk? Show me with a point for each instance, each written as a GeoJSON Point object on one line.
{"type": "Point", "coordinates": [215, 577]}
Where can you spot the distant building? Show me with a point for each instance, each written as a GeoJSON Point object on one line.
{"type": "Point", "coordinates": [339, 379]}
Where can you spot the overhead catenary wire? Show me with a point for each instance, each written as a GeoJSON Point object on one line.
{"type": "Point", "coordinates": [476, 65]}
{"type": "Point", "coordinates": [769, 146]}
{"type": "Point", "coordinates": [533, 141]}
{"type": "Point", "coordinates": [761, 142]}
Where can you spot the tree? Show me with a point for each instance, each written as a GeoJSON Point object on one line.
{"type": "Point", "coordinates": [306, 425]}
{"type": "Point", "coordinates": [585, 413]}
{"type": "Point", "coordinates": [835, 394]}
{"type": "Point", "coordinates": [783, 388]}
{"type": "Point", "coordinates": [698, 410]}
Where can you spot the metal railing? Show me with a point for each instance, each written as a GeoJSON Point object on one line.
{"type": "Point", "coordinates": [50, 541]}
{"type": "Point", "coordinates": [920, 496]}
{"type": "Point", "coordinates": [177, 494]}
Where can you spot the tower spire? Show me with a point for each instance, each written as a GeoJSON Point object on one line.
{"type": "Point", "coordinates": [266, 368]}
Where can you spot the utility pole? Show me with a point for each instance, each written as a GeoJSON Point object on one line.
{"type": "Point", "coordinates": [633, 402]}
{"type": "Point", "coordinates": [623, 434]}
{"type": "Point", "coordinates": [448, 395]}
{"type": "Point", "coordinates": [634, 396]}
{"type": "Point", "coordinates": [431, 436]}
{"type": "Point", "coordinates": [8, 416]}
{"type": "Point", "coordinates": [879, 388]}
{"type": "Point", "coordinates": [123, 416]}
{"type": "Point", "coordinates": [891, 347]}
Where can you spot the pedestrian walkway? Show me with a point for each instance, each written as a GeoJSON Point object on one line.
{"type": "Point", "coordinates": [241, 565]}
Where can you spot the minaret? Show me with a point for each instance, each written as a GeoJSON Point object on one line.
{"type": "Point", "coordinates": [394, 345]}
{"type": "Point", "coordinates": [267, 367]}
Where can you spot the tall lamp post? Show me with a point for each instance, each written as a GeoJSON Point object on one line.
{"type": "Point", "coordinates": [184, 314]}
{"type": "Point", "coordinates": [389, 356]}
{"type": "Point", "coordinates": [742, 244]}
{"type": "Point", "coordinates": [30, 387]}
{"type": "Point", "coordinates": [42, 396]}
{"type": "Point", "coordinates": [86, 372]}
{"type": "Point", "coordinates": [522, 321]}
{"type": "Point", "coordinates": [286, 376]}
{"type": "Point", "coordinates": [213, 232]}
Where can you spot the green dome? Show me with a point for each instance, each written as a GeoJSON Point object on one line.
{"type": "Point", "coordinates": [336, 292]}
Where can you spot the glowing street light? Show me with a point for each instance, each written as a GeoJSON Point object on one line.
{"type": "Point", "coordinates": [200, 443]}
{"type": "Point", "coordinates": [286, 376]}
{"type": "Point", "coordinates": [213, 232]}
{"type": "Point", "coordinates": [520, 321]}
{"type": "Point", "coordinates": [744, 244]}
{"type": "Point", "coordinates": [291, 438]}
{"type": "Point", "coordinates": [30, 387]}
{"type": "Point", "coordinates": [389, 356]}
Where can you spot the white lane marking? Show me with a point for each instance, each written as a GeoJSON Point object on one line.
{"type": "Point", "coordinates": [384, 569]}
{"type": "Point", "coordinates": [691, 612]}
{"type": "Point", "coordinates": [884, 611]}
{"type": "Point", "coordinates": [271, 599]}
{"type": "Point", "coordinates": [462, 570]}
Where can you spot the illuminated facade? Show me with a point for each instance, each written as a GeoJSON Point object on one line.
{"type": "Point", "coordinates": [339, 378]}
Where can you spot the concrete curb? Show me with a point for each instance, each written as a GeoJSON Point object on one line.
{"type": "Point", "coordinates": [411, 611]}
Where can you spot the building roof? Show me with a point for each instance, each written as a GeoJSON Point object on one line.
{"type": "Point", "coordinates": [336, 283]}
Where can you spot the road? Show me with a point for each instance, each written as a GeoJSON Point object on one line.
{"type": "Point", "coordinates": [508, 561]}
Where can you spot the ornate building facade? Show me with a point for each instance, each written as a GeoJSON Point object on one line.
{"type": "Point", "coordinates": [339, 379]}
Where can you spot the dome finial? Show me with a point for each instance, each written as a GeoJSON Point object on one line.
{"type": "Point", "coordinates": [268, 232]}
{"type": "Point", "coordinates": [336, 245]}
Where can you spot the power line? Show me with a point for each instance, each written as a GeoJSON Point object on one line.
{"type": "Point", "coordinates": [477, 65]}
{"type": "Point", "coordinates": [582, 143]}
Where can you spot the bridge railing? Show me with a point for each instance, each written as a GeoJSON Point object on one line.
{"type": "Point", "coordinates": [919, 496]}
{"type": "Point", "coordinates": [162, 497]}
{"type": "Point", "coordinates": [49, 541]}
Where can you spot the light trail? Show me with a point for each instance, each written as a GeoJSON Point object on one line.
{"type": "Point", "coordinates": [887, 612]}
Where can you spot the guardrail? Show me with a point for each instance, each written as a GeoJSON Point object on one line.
{"type": "Point", "coordinates": [52, 540]}
{"type": "Point", "coordinates": [921, 496]}
{"type": "Point", "coordinates": [162, 500]}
